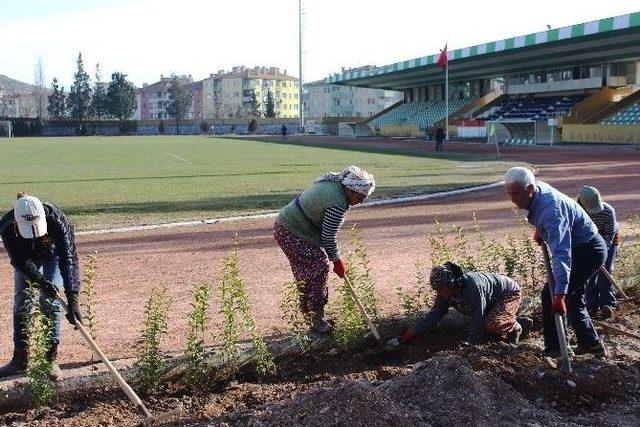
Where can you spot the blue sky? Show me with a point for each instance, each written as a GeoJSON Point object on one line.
{"type": "Point", "coordinates": [145, 39]}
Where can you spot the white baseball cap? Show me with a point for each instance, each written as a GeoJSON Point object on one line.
{"type": "Point", "coordinates": [30, 217]}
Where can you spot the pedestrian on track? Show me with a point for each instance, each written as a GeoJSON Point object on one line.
{"type": "Point", "coordinates": [306, 230]}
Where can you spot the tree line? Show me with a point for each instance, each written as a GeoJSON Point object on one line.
{"type": "Point", "coordinates": [115, 100]}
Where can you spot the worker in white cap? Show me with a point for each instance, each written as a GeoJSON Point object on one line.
{"type": "Point", "coordinates": [41, 246]}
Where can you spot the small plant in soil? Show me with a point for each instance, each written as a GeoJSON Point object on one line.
{"type": "Point", "coordinates": [440, 249]}
{"type": "Point", "coordinates": [297, 320]}
{"type": "Point", "coordinates": [628, 261]}
{"type": "Point", "coordinates": [350, 327]}
{"type": "Point", "coordinates": [39, 331]}
{"type": "Point", "coordinates": [413, 302]}
{"type": "Point", "coordinates": [363, 283]}
{"type": "Point", "coordinates": [150, 362]}
{"type": "Point", "coordinates": [197, 372]}
{"type": "Point", "coordinates": [89, 296]}
{"type": "Point", "coordinates": [236, 312]}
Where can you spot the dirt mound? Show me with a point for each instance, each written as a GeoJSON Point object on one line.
{"type": "Point", "coordinates": [352, 403]}
{"type": "Point", "coordinates": [446, 391]}
{"type": "Point", "coordinates": [442, 391]}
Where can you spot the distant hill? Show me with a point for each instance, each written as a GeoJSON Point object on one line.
{"type": "Point", "coordinates": [8, 85]}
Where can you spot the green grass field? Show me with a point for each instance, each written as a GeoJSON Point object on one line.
{"type": "Point", "coordinates": [102, 181]}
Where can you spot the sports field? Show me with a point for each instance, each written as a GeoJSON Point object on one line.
{"type": "Point", "coordinates": [102, 181]}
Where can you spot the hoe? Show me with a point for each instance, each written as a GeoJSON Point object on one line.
{"type": "Point", "coordinates": [149, 420]}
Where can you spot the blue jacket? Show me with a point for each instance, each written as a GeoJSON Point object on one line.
{"type": "Point", "coordinates": [563, 225]}
{"type": "Point", "coordinates": [480, 291]}
{"type": "Point", "coordinates": [27, 254]}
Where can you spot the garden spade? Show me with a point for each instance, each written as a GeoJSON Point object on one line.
{"type": "Point", "coordinates": [363, 312]}
{"type": "Point", "coordinates": [558, 318]}
{"type": "Point", "coordinates": [149, 420]}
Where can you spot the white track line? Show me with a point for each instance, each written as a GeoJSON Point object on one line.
{"type": "Point", "coordinates": [273, 214]}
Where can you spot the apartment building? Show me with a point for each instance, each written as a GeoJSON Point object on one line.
{"type": "Point", "coordinates": [153, 99]}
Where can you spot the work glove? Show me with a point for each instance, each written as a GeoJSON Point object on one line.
{"type": "Point", "coordinates": [559, 304]}
{"type": "Point", "coordinates": [616, 240]}
{"type": "Point", "coordinates": [339, 268]}
{"type": "Point", "coordinates": [537, 238]}
{"type": "Point", "coordinates": [73, 312]}
{"type": "Point", "coordinates": [407, 336]}
{"type": "Point", "coordinates": [48, 288]}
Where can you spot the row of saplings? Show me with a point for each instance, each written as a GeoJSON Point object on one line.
{"type": "Point", "coordinates": [515, 255]}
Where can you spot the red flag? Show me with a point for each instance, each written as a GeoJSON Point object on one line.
{"type": "Point", "coordinates": [443, 60]}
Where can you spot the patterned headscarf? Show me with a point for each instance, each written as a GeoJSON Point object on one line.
{"type": "Point", "coordinates": [444, 275]}
{"type": "Point", "coordinates": [353, 178]}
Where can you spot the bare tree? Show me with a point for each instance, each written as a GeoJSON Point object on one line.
{"type": "Point", "coordinates": [40, 93]}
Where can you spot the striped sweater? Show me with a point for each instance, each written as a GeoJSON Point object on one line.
{"type": "Point", "coordinates": [606, 223]}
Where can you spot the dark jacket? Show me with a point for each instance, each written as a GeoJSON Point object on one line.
{"type": "Point", "coordinates": [479, 292]}
{"type": "Point", "coordinates": [440, 134]}
{"type": "Point", "coordinates": [27, 255]}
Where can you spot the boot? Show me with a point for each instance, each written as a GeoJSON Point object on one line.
{"type": "Point", "coordinates": [513, 336]}
{"type": "Point", "coordinates": [527, 325]}
{"type": "Point", "coordinates": [320, 325]}
{"type": "Point", "coordinates": [17, 365]}
{"type": "Point", "coordinates": [52, 355]}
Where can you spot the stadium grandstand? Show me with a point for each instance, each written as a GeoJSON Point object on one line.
{"type": "Point", "coordinates": [579, 83]}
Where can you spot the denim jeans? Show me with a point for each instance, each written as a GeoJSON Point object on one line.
{"type": "Point", "coordinates": [22, 306]}
{"type": "Point", "coordinates": [599, 291]}
{"type": "Point", "coordinates": [585, 261]}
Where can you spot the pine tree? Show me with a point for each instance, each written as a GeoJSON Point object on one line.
{"type": "Point", "coordinates": [79, 102]}
{"type": "Point", "coordinates": [254, 105]}
{"type": "Point", "coordinates": [99, 101]}
{"type": "Point", "coordinates": [121, 97]}
{"type": "Point", "coordinates": [270, 106]}
{"type": "Point", "coordinates": [179, 101]}
{"type": "Point", "coordinates": [57, 107]}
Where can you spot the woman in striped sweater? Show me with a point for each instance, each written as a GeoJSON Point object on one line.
{"type": "Point", "coordinates": [307, 229]}
{"type": "Point", "coordinates": [600, 295]}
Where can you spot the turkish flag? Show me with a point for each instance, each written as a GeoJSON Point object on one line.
{"type": "Point", "coordinates": [443, 60]}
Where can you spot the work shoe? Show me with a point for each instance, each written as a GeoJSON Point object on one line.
{"type": "Point", "coordinates": [554, 353]}
{"type": "Point", "coordinates": [606, 311]}
{"type": "Point", "coordinates": [527, 325]}
{"type": "Point", "coordinates": [321, 326]}
{"type": "Point", "coordinates": [513, 336]}
{"type": "Point", "coordinates": [597, 350]}
{"type": "Point", "coordinates": [17, 365]}
{"type": "Point", "coordinates": [52, 355]}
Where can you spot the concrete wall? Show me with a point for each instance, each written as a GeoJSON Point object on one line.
{"type": "Point", "coordinates": [601, 134]}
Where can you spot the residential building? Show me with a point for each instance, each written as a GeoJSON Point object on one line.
{"type": "Point", "coordinates": [227, 94]}
{"type": "Point", "coordinates": [153, 99]}
{"type": "Point", "coordinates": [327, 100]}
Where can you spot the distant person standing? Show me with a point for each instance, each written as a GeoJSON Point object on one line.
{"type": "Point", "coordinates": [440, 135]}
{"type": "Point", "coordinates": [284, 131]}
{"type": "Point", "coordinates": [600, 295]}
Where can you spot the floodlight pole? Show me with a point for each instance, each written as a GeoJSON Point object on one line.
{"type": "Point", "coordinates": [300, 109]}
{"type": "Point", "coordinates": [446, 88]}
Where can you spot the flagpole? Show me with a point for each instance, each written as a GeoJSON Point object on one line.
{"type": "Point", "coordinates": [446, 88]}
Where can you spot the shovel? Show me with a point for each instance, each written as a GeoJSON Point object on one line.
{"type": "Point", "coordinates": [612, 281]}
{"type": "Point", "coordinates": [363, 312]}
{"type": "Point", "coordinates": [149, 420]}
{"type": "Point", "coordinates": [558, 318]}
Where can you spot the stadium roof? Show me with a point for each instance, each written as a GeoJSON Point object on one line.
{"type": "Point", "coordinates": [604, 40]}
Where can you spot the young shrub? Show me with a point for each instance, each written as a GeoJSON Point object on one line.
{"type": "Point", "coordinates": [363, 283]}
{"type": "Point", "coordinates": [150, 362]}
{"type": "Point", "coordinates": [461, 246]}
{"type": "Point", "coordinates": [350, 328]}
{"type": "Point", "coordinates": [628, 260]}
{"type": "Point", "coordinates": [440, 250]}
{"type": "Point", "coordinates": [236, 311]}
{"type": "Point", "coordinates": [412, 303]}
{"type": "Point", "coordinates": [196, 355]}
{"type": "Point", "coordinates": [39, 329]}
{"type": "Point", "coordinates": [298, 321]}
{"type": "Point", "coordinates": [89, 296]}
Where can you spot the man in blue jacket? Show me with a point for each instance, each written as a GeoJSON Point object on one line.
{"type": "Point", "coordinates": [577, 252]}
{"type": "Point", "coordinates": [40, 243]}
